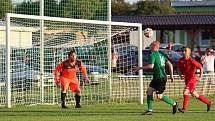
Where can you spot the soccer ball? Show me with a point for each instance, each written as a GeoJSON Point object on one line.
{"type": "Point", "coordinates": [148, 32]}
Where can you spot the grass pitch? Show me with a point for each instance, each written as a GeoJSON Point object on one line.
{"type": "Point", "coordinates": [196, 111]}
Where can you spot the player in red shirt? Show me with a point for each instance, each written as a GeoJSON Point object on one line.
{"type": "Point", "coordinates": [187, 71]}
{"type": "Point", "coordinates": [65, 75]}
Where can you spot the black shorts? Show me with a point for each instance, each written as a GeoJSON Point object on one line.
{"type": "Point", "coordinates": [159, 85]}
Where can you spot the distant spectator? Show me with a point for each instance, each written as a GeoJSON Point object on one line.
{"type": "Point", "coordinates": [198, 54]}
{"type": "Point", "coordinates": [199, 51]}
{"type": "Point", "coordinates": [169, 47]}
{"type": "Point", "coordinates": [208, 67]}
{"type": "Point", "coordinates": [114, 60]}
{"type": "Point", "coordinates": [26, 57]}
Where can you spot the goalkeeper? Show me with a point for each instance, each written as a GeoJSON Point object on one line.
{"type": "Point", "coordinates": [65, 76]}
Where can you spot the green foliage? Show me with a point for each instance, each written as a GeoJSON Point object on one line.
{"type": "Point", "coordinates": [63, 8]}
{"type": "Point", "coordinates": [33, 8]}
{"type": "Point", "coordinates": [88, 9]}
{"type": "Point", "coordinates": [153, 8]}
{"type": "Point", "coordinates": [51, 8]}
{"type": "Point", "coordinates": [30, 8]}
{"type": "Point", "coordinates": [148, 7]}
{"type": "Point", "coordinates": [5, 7]}
{"type": "Point", "coordinates": [121, 8]}
{"type": "Point", "coordinates": [85, 9]}
{"type": "Point", "coordinates": [81, 9]}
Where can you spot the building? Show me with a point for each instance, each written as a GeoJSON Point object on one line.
{"type": "Point", "coordinates": [193, 24]}
{"type": "Point", "coordinates": [182, 29]}
{"type": "Point", "coordinates": [21, 37]}
{"type": "Point", "coordinates": [203, 37]}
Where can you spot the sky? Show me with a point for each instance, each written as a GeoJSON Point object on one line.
{"type": "Point", "coordinates": [20, 1]}
{"type": "Point", "coordinates": [131, 1]}
{"type": "Point", "coordinates": [17, 1]}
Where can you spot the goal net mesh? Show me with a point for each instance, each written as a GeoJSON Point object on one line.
{"type": "Point", "coordinates": [31, 58]}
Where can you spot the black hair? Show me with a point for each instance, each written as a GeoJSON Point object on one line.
{"type": "Point", "coordinates": [187, 47]}
{"type": "Point", "coordinates": [71, 51]}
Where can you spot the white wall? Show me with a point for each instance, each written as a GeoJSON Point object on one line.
{"type": "Point", "coordinates": [146, 41]}
{"type": "Point", "coordinates": [177, 36]}
{"type": "Point", "coordinates": [20, 37]}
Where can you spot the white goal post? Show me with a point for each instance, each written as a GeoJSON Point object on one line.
{"type": "Point", "coordinates": [53, 37]}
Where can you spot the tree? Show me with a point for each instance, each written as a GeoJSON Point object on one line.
{"type": "Point", "coordinates": [121, 8]}
{"type": "Point", "coordinates": [84, 9]}
{"type": "Point", "coordinates": [149, 7]}
{"type": "Point", "coordinates": [30, 8]}
{"type": "Point", "coordinates": [5, 7]}
{"type": "Point", "coordinates": [62, 7]}
{"type": "Point", "coordinates": [51, 8]}
{"type": "Point", "coordinates": [33, 8]}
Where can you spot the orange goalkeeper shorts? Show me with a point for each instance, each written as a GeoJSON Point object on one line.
{"type": "Point", "coordinates": [66, 83]}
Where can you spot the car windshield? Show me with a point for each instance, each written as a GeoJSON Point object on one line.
{"type": "Point", "coordinates": [170, 54]}
{"type": "Point", "coordinates": [177, 47]}
{"type": "Point", "coordinates": [124, 48]}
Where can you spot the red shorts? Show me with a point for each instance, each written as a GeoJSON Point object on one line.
{"type": "Point", "coordinates": [65, 83]}
{"type": "Point", "coordinates": [191, 86]}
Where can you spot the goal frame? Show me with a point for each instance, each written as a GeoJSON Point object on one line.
{"type": "Point", "coordinates": [42, 18]}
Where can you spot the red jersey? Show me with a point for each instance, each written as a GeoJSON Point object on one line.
{"type": "Point", "coordinates": [68, 70]}
{"type": "Point", "coordinates": [188, 68]}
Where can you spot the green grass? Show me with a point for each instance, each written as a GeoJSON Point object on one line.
{"type": "Point", "coordinates": [108, 112]}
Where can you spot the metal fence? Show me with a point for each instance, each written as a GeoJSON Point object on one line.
{"type": "Point", "coordinates": [124, 90]}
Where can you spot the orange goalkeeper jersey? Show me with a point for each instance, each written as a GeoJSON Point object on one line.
{"type": "Point", "coordinates": [67, 70]}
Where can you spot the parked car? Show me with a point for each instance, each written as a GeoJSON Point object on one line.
{"type": "Point", "coordinates": [128, 58]}
{"type": "Point", "coordinates": [24, 77]}
{"type": "Point", "coordinates": [91, 68]}
{"type": "Point", "coordinates": [172, 56]}
{"type": "Point", "coordinates": [96, 74]}
{"type": "Point", "coordinates": [175, 46]}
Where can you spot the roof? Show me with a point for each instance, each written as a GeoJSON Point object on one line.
{"type": "Point", "coordinates": [192, 3]}
{"type": "Point", "coordinates": [3, 23]}
{"type": "Point", "coordinates": [177, 22]}
{"type": "Point", "coordinates": [17, 27]}
{"type": "Point", "coordinates": [195, 9]}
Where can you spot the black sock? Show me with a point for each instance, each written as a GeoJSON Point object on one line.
{"type": "Point", "coordinates": [63, 96]}
{"type": "Point", "coordinates": [77, 99]}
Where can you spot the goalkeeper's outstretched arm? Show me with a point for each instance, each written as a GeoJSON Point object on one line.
{"type": "Point", "coordinates": [84, 72]}
{"type": "Point", "coordinates": [57, 72]}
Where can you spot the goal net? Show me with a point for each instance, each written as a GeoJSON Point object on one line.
{"type": "Point", "coordinates": [35, 45]}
